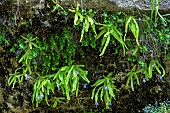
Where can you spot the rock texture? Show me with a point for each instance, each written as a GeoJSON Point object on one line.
{"type": "Point", "coordinates": [103, 5]}
{"type": "Point", "coordinates": [141, 4]}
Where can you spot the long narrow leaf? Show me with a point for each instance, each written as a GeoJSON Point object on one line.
{"type": "Point", "coordinates": [126, 27]}
{"type": "Point", "coordinates": [85, 78]}
{"type": "Point", "coordinates": [74, 85]}
{"type": "Point", "coordinates": [150, 69]}
{"type": "Point", "coordinates": [135, 29]}
{"type": "Point", "coordinates": [93, 93]}
{"type": "Point", "coordinates": [157, 69]}
{"type": "Point", "coordinates": [163, 70]}
{"type": "Point", "coordinates": [101, 94]}
{"type": "Point", "coordinates": [106, 44]}
{"type": "Point", "coordinates": [132, 86]}
{"type": "Point", "coordinates": [82, 34]}
{"type": "Point", "coordinates": [101, 33]}
{"type": "Point", "coordinates": [96, 95]}
{"type": "Point", "coordinates": [86, 24]}
{"type": "Point", "coordinates": [98, 82]}
{"type": "Point", "coordinates": [127, 83]}
{"type": "Point", "coordinates": [137, 79]}
{"type": "Point", "coordinates": [111, 90]}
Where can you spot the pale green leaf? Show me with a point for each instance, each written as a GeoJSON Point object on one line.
{"type": "Point", "coordinates": [77, 89]}
{"type": "Point", "coordinates": [75, 18]}
{"type": "Point", "coordinates": [135, 29]}
{"type": "Point", "coordinates": [157, 68]}
{"type": "Point", "coordinates": [82, 34]}
{"type": "Point", "coordinates": [94, 29]}
{"type": "Point", "coordinates": [90, 20]}
{"type": "Point", "coordinates": [23, 57]}
{"type": "Point", "coordinates": [69, 75]}
{"type": "Point", "coordinates": [127, 83]}
{"type": "Point", "coordinates": [132, 86]}
{"type": "Point", "coordinates": [126, 26]}
{"type": "Point", "coordinates": [135, 51]}
{"type": "Point", "coordinates": [75, 81]}
{"type": "Point", "coordinates": [86, 25]}
{"type": "Point", "coordinates": [137, 79]}
{"type": "Point", "coordinates": [150, 69]}
{"type": "Point", "coordinates": [85, 77]}
{"type": "Point", "coordinates": [98, 82]}
{"type": "Point", "coordinates": [93, 93]}
{"type": "Point", "coordinates": [111, 90]}
{"type": "Point", "coordinates": [46, 99]}
{"type": "Point", "coordinates": [161, 67]}
{"type": "Point", "coordinates": [101, 33]}
{"type": "Point", "coordinates": [96, 95]}
{"type": "Point", "coordinates": [101, 94]}
{"type": "Point", "coordinates": [106, 44]}
{"type": "Point", "coordinates": [81, 17]}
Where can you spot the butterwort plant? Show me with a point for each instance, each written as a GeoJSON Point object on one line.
{"type": "Point", "coordinates": [154, 66]}
{"type": "Point", "coordinates": [133, 75]}
{"type": "Point", "coordinates": [18, 77]}
{"type": "Point", "coordinates": [27, 44]}
{"type": "Point", "coordinates": [69, 77]}
{"type": "Point", "coordinates": [65, 80]}
{"type": "Point", "coordinates": [104, 90]}
{"type": "Point", "coordinates": [43, 87]}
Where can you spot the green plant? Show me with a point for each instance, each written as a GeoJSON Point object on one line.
{"type": "Point", "coordinates": [25, 59]}
{"type": "Point", "coordinates": [106, 88]}
{"type": "Point", "coordinates": [66, 79]}
{"type": "Point", "coordinates": [133, 74]}
{"type": "Point", "coordinates": [69, 76]}
{"type": "Point", "coordinates": [147, 70]}
{"type": "Point", "coordinates": [17, 76]}
{"type": "Point", "coordinates": [57, 101]}
{"type": "Point", "coordinates": [108, 30]}
{"type": "Point", "coordinates": [85, 18]}
{"type": "Point", "coordinates": [154, 8]}
{"type": "Point", "coordinates": [57, 7]}
{"type": "Point", "coordinates": [155, 64]}
{"type": "Point", "coordinates": [133, 25]}
{"type": "Point", "coordinates": [2, 37]}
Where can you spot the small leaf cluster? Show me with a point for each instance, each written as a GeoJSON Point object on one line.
{"type": "Point", "coordinates": [132, 24]}
{"type": "Point", "coordinates": [108, 30]}
{"type": "Point", "coordinates": [58, 7]}
{"type": "Point", "coordinates": [131, 76]}
{"type": "Point", "coordinates": [147, 71]}
{"type": "Point", "coordinates": [104, 89]}
{"type": "Point", "coordinates": [3, 39]}
{"type": "Point", "coordinates": [85, 18]}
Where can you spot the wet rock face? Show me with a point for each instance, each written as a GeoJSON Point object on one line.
{"type": "Point", "coordinates": [141, 4]}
